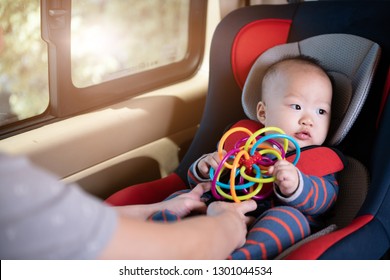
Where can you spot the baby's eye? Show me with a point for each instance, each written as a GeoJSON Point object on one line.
{"type": "Point", "coordinates": [295, 106]}
{"type": "Point", "coordinates": [321, 111]}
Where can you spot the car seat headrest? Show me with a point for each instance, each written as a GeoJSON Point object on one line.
{"type": "Point", "coordinates": [350, 60]}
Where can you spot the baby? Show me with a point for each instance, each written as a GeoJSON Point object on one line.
{"type": "Point", "coordinates": [296, 97]}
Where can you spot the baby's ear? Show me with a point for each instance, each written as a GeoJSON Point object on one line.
{"type": "Point", "coordinates": [261, 112]}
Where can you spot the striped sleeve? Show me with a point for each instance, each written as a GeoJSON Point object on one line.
{"type": "Point", "coordinates": [315, 195]}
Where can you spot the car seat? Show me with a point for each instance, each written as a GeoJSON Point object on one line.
{"type": "Point", "coordinates": [243, 36]}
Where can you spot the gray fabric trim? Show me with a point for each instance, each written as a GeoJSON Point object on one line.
{"type": "Point", "coordinates": [354, 183]}
{"type": "Point", "coordinates": [350, 59]}
{"type": "Point", "coordinates": [294, 247]}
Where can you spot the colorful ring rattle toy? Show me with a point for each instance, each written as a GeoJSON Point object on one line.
{"type": "Point", "coordinates": [248, 162]}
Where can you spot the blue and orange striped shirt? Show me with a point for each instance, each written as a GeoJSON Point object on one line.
{"type": "Point", "coordinates": [314, 196]}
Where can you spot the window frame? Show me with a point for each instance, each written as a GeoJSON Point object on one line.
{"type": "Point", "coordinates": [66, 100]}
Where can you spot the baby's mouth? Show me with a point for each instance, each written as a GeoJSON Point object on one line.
{"type": "Point", "coordinates": [303, 135]}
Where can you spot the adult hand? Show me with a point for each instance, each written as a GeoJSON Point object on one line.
{"type": "Point", "coordinates": [185, 203]}
{"type": "Point", "coordinates": [238, 219]}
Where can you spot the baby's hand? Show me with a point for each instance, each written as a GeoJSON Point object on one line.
{"type": "Point", "coordinates": [286, 176]}
{"type": "Point", "coordinates": [210, 160]}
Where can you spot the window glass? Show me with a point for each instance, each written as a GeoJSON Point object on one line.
{"type": "Point", "coordinates": [24, 90]}
{"type": "Point", "coordinates": [116, 38]}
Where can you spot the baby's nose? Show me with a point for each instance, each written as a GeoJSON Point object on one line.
{"type": "Point", "coordinates": [307, 121]}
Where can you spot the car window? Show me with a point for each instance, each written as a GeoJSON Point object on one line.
{"type": "Point", "coordinates": [61, 58]}
{"type": "Point", "coordinates": [111, 39]}
{"type": "Point", "coordinates": [24, 90]}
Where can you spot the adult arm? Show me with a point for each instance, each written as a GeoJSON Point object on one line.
{"type": "Point", "coordinates": [41, 218]}
{"type": "Point", "coordinates": [213, 236]}
{"type": "Point", "coordinates": [181, 205]}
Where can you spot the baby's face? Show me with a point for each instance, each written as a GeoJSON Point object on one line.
{"type": "Point", "coordinates": [298, 102]}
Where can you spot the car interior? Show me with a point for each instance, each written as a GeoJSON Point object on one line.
{"type": "Point", "coordinates": [338, 54]}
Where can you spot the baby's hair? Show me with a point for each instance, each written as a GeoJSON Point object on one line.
{"type": "Point", "coordinates": [302, 59]}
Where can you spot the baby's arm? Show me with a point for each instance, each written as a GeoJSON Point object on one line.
{"type": "Point", "coordinates": [309, 194]}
